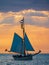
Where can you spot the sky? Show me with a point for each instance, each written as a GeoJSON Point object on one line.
{"type": "Point", "coordinates": [36, 17]}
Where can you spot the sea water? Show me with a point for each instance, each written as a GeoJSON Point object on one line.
{"type": "Point", "coordinates": [40, 59]}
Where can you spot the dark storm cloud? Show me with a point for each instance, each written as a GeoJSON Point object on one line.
{"type": "Point", "coordinates": [17, 5]}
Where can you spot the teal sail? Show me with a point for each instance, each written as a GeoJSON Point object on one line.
{"type": "Point", "coordinates": [17, 44]}
{"type": "Point", "coordinates": [28, 45]}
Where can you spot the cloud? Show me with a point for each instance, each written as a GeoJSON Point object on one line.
{"type": "Point", "coordinates": [17, 5]}
{"type": "Point", "coordinates": [1, 17]}
{"type": "Point", "coordinates": [32, 17]}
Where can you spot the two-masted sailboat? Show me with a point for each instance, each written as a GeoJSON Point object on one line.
{"type": "Point", "coordinates": [21, 45]}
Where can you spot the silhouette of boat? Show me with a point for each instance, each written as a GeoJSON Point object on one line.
{"type": "Point", "coordinates": [21, 45]}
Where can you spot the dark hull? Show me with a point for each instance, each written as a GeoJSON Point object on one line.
{"type": "Point", "coordinates": [20, 57]}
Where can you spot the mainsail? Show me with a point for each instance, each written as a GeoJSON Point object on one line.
{"type": "Point", "coordinates": [17, 45]}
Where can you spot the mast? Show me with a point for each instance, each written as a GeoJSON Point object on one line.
{"type": "Point", "coordinates": [23, 29]}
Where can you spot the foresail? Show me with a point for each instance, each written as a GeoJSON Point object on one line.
{"type": "Point", "coordinates": [28, 45]}
{"type": "Point", "coordinates": [17, 44]}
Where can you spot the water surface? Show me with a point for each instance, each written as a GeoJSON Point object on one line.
{"type": "Point", "coordinates": [41, 59]}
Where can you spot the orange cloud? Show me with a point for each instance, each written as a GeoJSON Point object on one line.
{"type": "Point", "coordinates": [46, 13]}
{"type": "Point", "coordinates": [1, 17]}
{"type": "Point", "coordinates": [26, 13]}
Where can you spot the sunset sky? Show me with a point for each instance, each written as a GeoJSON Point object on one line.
{"type": "Point", "coordinates": [36, 17]}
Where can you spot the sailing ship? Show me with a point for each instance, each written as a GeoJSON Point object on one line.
{"type": "Point", "coordinates": [21, 45]}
